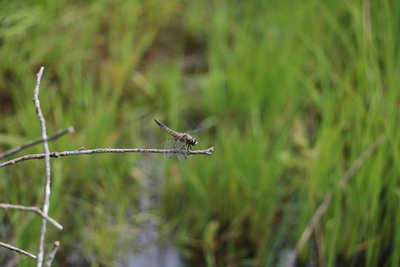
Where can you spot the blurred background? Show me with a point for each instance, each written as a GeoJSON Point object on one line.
{"type": "Point", "coordinates": [294, 92]}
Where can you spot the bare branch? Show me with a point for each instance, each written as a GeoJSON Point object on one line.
{"type": "Point", "coordinates": [52, 254]}
{"type": "Point", "coordinates": [208, 152]}
{"type": "Point", "coordinates": [46, 204]}
{"type": "Point", "coordinates": [20, 251]}
{"type": "Point", "coordinates": [33, 209]}
{"type": "Point", "coordinates": [316, 217]}
{"type": "Point", "coordinates": [35, 142]}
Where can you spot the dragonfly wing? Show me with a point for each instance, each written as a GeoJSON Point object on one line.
{"type": "Point", "coordinates": [170, 144]}
{"type": "Point", "coordinates": [182, 156]}
{"type": "Point", "coordinates": [197, 130]}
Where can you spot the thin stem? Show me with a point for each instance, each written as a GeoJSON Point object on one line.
{"type": "Point", "coordinates": [208, 152]}
{"type": "Point", "coordinates": [47, 190]}
{"type": "Point", "coordinates": [33, 209]}
{"type": "Point", "coordinates": [35, 142]}
{"type": "Point", "coordinates": [20, 251]}
{"type": "Point", "coordinates": [52, 254]}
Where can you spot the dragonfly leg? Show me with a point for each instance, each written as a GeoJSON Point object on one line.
{"type": "Point", "coordinates": [182, 148]}
{"type": "Point", "coordinates": [174, 146]}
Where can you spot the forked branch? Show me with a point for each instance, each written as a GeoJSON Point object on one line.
{"type": "Point", "coordinates": [35, 142]}
{"type": "Point", "coordinates": [32, 209]}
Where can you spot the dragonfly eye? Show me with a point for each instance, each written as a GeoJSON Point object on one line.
{"type": "Point", "coordinates": [193, 141]}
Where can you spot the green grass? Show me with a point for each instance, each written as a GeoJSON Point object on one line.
{"type": "Point", "coordinates": [295, 91]}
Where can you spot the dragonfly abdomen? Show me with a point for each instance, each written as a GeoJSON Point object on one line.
{"type": "Point", "coordinates": [165, 128]}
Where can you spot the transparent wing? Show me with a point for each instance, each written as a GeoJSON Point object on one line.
{"type": "Point", "coordinates": [169, 145]}
{"type": "Point", "coordinates": [172, 144]}
{"type": "Point", "coordinates": [182, 157]}
{"type": "Point", "coordinates": [197, 130]}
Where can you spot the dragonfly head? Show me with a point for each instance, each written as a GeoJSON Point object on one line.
{"type": "Point", "coordinates": [192, 141]}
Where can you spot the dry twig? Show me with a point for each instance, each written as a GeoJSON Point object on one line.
{"type": "Point", "coordinates": [208, 152]}
{"type": "Point", "coordinates": [33, 209]}
{"type": "Point", "coordinates": [46, 204]}
{"type": "Point", "coordinates": [35, 142]}
{"type": "Point", "coordinates": [52, 254]}
{"type": "Point", "coordinates": [20, 251]}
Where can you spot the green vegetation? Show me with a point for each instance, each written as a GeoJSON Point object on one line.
{"type": "Point", "coordinates": [295, 92]}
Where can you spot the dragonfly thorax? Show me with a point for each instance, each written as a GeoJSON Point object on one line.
{"type": "Point", "coordinates": [187, 138]}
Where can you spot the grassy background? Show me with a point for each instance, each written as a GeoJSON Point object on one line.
{"type": "Point", "coordinates": [295, 91]}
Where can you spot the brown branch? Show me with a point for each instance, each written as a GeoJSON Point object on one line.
{"type": "Point", "coordinates": [316, 217]}
{"type": "Point", "coordinates": [20, 251]}
{"type": "Point", "coordinates": [35, 142]}
{"type": "Point", "coordinates": [47, 190]}
{"type": "Point", "coordinates": [33, 209]}
{"type": "Point", "coordinates": [208, 152]}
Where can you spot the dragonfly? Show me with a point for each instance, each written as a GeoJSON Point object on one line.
{"type": "Point", "coordinates": [182, 141]}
